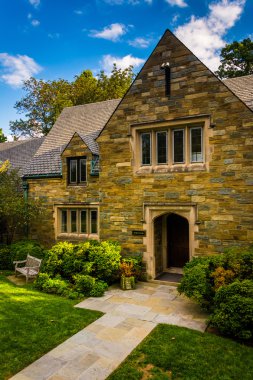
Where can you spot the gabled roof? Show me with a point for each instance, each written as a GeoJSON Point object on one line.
{"type": "Point", "coordinates": [20, 152]}
{"type": "Point", "coordinates": [242, 87]}
{"type": "Point", "coordinates": [87, 120]}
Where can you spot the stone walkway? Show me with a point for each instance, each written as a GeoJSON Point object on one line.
{"type": "Point", "coordinates": [95, 352]}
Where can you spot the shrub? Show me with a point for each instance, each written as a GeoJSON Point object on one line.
{"type": "Point", "coordinates": [51, 285]}
{"type": "Point", "coordinates": [204, 275]}
{"type": "Point", "coordinates": [24, 247]}
{"type": "Point", "coordinates": [41, 279]}
{"type": "Point", "coordinates": [98, 289]}
{"type": "Point", "coordinates": [196, 283]}
{"type": "Point", "coordinates": [53, 263]}
{"type": "Point", "coordinates": [233, 309]}
{"type": "Point", "coordinates": [6, 258]}
{"type": "Point", "coordinates": [105, 257]}
{"type": "Point", "coordinates": [19, 251]}
{"type": "Point", "coordinates": [84, 283]}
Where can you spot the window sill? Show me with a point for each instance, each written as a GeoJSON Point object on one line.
{"type": "Point", "coordinates": [176, 168]}
{"type": "Point", "coordinates": [77, 185]}
{"type": "Point", "coordinates": [74, 236]}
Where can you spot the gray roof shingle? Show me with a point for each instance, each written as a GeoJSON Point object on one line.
{"type": "Point", "coordinates": [20, 152]}
{"type": "Point", "coordinates": [87, 120]}
{"type": "Point", "coordinates": [242, 87]}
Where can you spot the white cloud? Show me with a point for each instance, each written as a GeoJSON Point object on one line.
{"type": "Point", "coordinates": [78, 12]}
{"type": "Point", "coordinates": [131, 2]}
{"type": "Point", "coordinates": [204, 36]}
{"type": "Point", "coordinates": [35, 22]}
{"type": "Point", "coordinates": [15, 69]}
{"type": "Point", "coordinates": [54, 35]}
{"type": "Point", "coordinates": [112, 32]}
{"type": "Point", "coordinates": [178, 3]}
{"type": "Point", "coordinates": [35, 3]}
{"type": "Point", "coordinates": [140, 42]}
{"type": "Point", "coordinates": [122, 63]}
{"type": "Point", "coordinates": [175, 18]}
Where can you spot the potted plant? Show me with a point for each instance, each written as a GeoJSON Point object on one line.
{"type": "Point", "coordinates": [127, 279]}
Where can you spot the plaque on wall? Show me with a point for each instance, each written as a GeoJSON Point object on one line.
{"type": "Point", "coordinates": [139, 233]}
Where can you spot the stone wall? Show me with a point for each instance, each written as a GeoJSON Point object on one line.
{"type": "Point", "coordinates": [222, 191]}
{"type": "Point", "coordinates": [57, 191]}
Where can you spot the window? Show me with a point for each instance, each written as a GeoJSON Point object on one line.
{"type": "Point", "coordinates": [174, 146]}
{"type": "Point", "coordinates": [178, 146]}
{"type": "Point", "coordinates": [161, 147]}
{"type": "Point", "coordinates": [146, 148]}
{"type": "Point", "coordinates": [196, 145]}
{"type": "Point", "coordinates": [78, 221]}
{"type": "Point", "coordinates": [77, 170]}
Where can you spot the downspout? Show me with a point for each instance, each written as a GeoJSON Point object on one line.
{"type": "Point", "coordinates": [25, 189]}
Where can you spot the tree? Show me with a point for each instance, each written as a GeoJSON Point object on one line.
{"type": "Point", "coordinates": [236, 59]}
{"type": "Point", "coordinates": [44, 101]}
{"type": "Point", "coordinates": [16, 212]}
{"type": "Point", "coordinates": [3, 138]}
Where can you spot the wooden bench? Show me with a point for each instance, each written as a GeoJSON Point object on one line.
{"type": "Point", "coordinates": [30, 267]}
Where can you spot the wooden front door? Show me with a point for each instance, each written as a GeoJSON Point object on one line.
{"type": "Point", "coordinates": [178, 240]}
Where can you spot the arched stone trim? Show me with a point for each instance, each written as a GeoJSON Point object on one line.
{"type": "Point", "coordinates": [152, 211]}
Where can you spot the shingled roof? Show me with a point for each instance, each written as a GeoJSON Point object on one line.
{"type": "Point", "coordinates": [87, 120]}
{"type": "Point", "coordinates": [20, 152]}
{"type": "Point", "coordinates": [242, 87]}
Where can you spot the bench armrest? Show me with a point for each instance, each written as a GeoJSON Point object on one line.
{"type": "Point", "coordinates": [20, 261]}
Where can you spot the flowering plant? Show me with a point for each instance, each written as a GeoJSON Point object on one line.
{"type": "Point", "coordinates": [127, 268]}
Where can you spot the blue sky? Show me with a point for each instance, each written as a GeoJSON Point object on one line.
{"type": "Point", "coordinates": [50, 39]}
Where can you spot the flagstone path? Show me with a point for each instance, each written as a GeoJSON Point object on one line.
{"type": "Point", "coordinates": [94, 352]}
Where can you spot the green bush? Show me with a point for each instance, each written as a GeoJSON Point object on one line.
{"type": "Point", "coordinates": [99, 260]}
{"type": "Point", "coordinates": [52, 285]}
{"type": "Point", "coordinates": [19, 251]}
{"type": "Point", "coordinates": [233, 309]}
{"type": "Point", "coordinates": [105, 257]}
{"type": "Point", "coordinates": [53, 263]}
{"type": "Point", "coordinates": [204, 275]}
{"type": "Point", "coordinates": [98, 289]}
{"type": "Point", "coordinates": [6, 258]}
{"type": "Point", "coordinates": [84, 283]}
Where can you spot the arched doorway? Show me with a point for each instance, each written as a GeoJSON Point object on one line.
{"type": "Point", "coordinates": [177, 241]}
{"type": "Point", "coordinates": [171, 242]}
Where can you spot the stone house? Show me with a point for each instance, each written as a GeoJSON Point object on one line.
{"type": "Point", "coordinates": [166, 171]}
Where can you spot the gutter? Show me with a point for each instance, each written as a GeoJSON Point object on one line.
{"type": "Point", "coordinates": [37, 176]}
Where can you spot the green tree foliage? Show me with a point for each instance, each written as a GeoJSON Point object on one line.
{"type": "Point", "coordinates": [3, 138]}
{"type": "Point", "coordinates": [15, 212]}
{"type": "Point", "coordinates": [236, 59]}
{"type": "Point", "coordinates": [44, 100]}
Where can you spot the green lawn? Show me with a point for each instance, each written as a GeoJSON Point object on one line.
{"type": "Point", "coordinates": [177, 353]}
{"type": "Point", "coordinates": [32, 323]}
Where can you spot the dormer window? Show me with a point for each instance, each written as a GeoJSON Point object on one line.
{"type": "Point", "coordinates": [77, 171]}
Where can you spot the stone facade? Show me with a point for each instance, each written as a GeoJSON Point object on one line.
{"type": "Point", "coordinates": [216, 197]}
{"type": "Point", "coordinates": [56, 192]}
